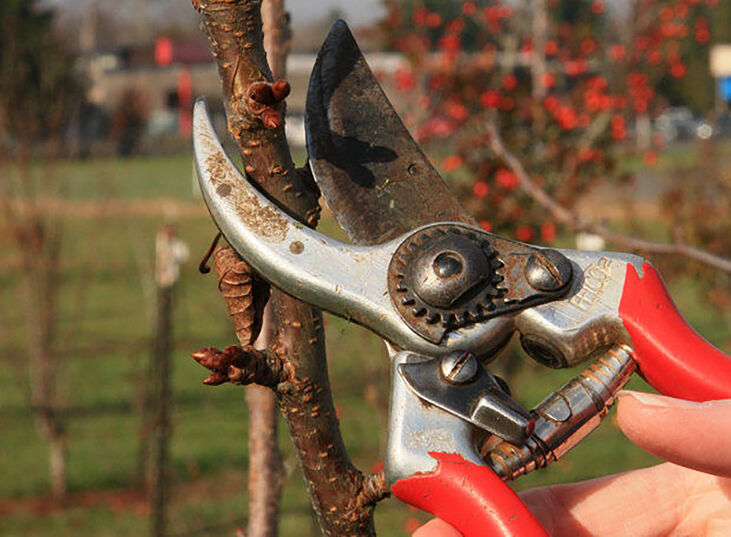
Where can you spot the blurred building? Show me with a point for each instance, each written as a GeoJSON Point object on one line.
{"type": "Point", "coordinates": [167, 76]}
{"type": "Point", "coordinates": [721, 72]}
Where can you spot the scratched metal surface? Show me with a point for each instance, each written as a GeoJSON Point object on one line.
{"type": "Point", "coordinates": [373, 175]}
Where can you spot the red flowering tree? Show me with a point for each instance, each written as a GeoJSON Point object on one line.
{"type": "Point", "coordinates": [533, 103]}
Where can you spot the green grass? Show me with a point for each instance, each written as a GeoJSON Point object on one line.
{"type": "Point", "coordinates": [103, 344]}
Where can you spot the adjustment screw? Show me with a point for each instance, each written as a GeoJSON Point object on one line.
{"type": "Point", "coordinates": [448, 264]}
{"type": "Point", "coordinates": [548, 270]}
{"type": "Point", "coordinates": [459, 367]}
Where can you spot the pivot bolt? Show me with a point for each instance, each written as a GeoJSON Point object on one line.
{"type": "Point", "coordinates": [548, 270]}
{"type": "Point", "coordinates": [447, 265]}
{"type": "Point", "coordinates": [459, 367]}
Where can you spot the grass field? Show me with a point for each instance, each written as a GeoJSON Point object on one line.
{"type": "Point", "coordinates": [104, 342]}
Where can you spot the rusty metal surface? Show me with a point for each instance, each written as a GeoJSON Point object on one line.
{"type": "Point", "coordinates": [502, 286]}
{"type": "Point", "coordinates": [565, 417]}
{"type": "Point", "coordinates": [376, 180]}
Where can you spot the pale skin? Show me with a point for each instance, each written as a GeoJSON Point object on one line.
{"type": "Point", "coordinates": [689, 496]}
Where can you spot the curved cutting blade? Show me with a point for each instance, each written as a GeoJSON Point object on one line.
{"type": "Point", "coordinates": [345, 279]}
{"type": "Point", "coordinates": [370, 170]}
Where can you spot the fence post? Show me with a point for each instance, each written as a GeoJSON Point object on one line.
{"type": "Point", "coordinates": [169, 253]}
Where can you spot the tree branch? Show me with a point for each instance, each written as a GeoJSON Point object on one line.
{"type": "Point", "coordinates": [576, 223]}
{"type": "Point", "coordinates": [234, 29]}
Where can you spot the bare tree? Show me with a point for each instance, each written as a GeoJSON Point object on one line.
{"type": "Point", "coordinates": [38, 92]}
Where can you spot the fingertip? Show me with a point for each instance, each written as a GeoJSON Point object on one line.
{"type": "Point", "coordinates": [687, 433]}
{"type": "Point", "coordinates": [639, 413]}
{"type": "Point", "coordinates": [436, 528]}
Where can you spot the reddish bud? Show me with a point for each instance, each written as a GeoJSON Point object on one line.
{"type": "Point", "coordinates": [281, 89]}
{"type": "Point", "coordinates": [271, 119]}
{"type": "Point", "coordinates": [261, 92]}
{"type": "Point", "coordinates": [215, 379]}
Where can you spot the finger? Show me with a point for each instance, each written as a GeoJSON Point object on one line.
{"type": "Point", "coordinates": [718, 527]}
{"type": "Point", "coordinates": [641, 503]}
{"type": "Point", "coordinates": [436, 528]}
{"type": "Point", "coordinates": [694, 435]}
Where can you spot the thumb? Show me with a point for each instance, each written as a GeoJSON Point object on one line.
{"type": "Point", "coordinates": [694, 435]}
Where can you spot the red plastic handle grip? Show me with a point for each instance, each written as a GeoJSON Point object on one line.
{"type": "Point", "coordinates": [671, 356]}
{"type": "Point", "coordinates": [469, 497]}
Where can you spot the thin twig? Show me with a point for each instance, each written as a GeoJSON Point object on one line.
{"type": "Point", "coordinates": [576, 223]}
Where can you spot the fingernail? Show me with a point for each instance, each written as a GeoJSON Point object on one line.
{"type": "Point", "coordinates": [647, 399]}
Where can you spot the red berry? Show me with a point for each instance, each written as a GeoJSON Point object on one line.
{"type": "Point", "coordinates": [523, 233]}
{"type": "Point", "coordinates": [480, 189]}
{"type": "Point", "coordinates": [451, 163]}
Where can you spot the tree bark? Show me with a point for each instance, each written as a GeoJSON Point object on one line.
{"type": "Point", "coordinates": [266, 469]}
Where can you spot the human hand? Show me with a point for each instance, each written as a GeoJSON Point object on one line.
{"type": "Point", "coordinates": [688, 496]}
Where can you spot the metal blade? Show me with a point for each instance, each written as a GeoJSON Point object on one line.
{"type": "Point", "coordinates": [370, 170]}
{"type": "Point", "coordinates": [345, 279]}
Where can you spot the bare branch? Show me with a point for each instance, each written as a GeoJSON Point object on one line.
{"type": "Point", "coordinates": [576, 223]}
{"type": "Point", "coordinates": [234, 29]}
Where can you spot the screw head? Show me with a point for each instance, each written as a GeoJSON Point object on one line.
{"type": "Point", "coordinates": [548, 270]}
{"type": "Point", "coordinates": [459, 367]}
{"type": "Point", "coordinates": [447, 265]}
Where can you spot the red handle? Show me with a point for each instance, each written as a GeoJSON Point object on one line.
{"type": "Point", "coordinates": [469, 497]}
{"type": "Point", "coordinates": [671, 356]}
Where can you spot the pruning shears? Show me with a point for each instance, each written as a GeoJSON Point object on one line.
{"type": "Point", "coordinates": [446, 297]}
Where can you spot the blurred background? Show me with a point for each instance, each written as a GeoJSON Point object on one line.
{"type": "Point", "coordinates": [619, 110]}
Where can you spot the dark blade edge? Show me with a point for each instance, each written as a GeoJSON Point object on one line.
{"type": "Point", "coordinates": [433, 192]}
